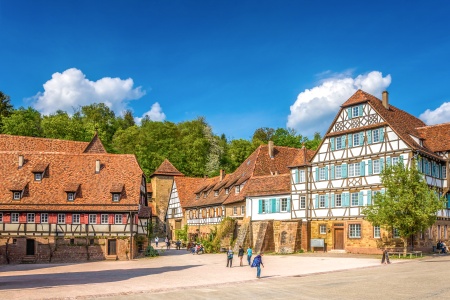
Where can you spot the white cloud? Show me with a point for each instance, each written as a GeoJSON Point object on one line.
{"type": "Point", "coordinates": [71, 89]}
{"type": "Point", "coordinates": [315, 108]}
{"type": "Point", "coordinates": [437, 116]}
{"type": "Point", "coordinates": [154, 114]}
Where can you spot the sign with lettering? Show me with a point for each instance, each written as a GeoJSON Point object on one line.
{"type": "Point", "coordinates": [317, 243]}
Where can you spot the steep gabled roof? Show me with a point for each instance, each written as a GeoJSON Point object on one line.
{"type": "Point", "coordinates": [436, 137]}
{"type": "Point", "coordinates": [27, 143]}
{"type": "Point", "coordinates": [303, 158]}
{"type": "Point", "coordinates": [95, 146]}
{"type": "Point", "coordinates": [166, 168]}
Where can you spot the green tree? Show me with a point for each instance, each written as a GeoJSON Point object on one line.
{"type": "Point", "coordinates": [100, 117]}
{"type": "Point", "coordinates": [287, 137]}
{"type": "Point", "coordinates": [314, 143]}
{"type": "Point", "coordinates": [5, 107]}
{"type": "Point", "coordinates": [238, 151]}
{"type": "Point", "coordinates": [23, 121]}
{"type": "Point", "coordinates": [262, 136]}
{"type": "Point", "coordinates": [409, 205]}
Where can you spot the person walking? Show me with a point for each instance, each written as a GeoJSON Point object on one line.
{"type": "Point", "coordinates": [156, 241]}
{"type": "Point", "coordinates": [240, 255]}
{"type": "Point", "coordinates": [167, 243]}
{"type": "Point", "coordinates": [257, 262]}
{"type": "Point", "coordinates": [229, 257]}
{"type": "Point", "coordinates": [249, 255]}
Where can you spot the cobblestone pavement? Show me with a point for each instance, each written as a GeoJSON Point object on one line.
{"type": "Point", "coordinates": [177, 272]}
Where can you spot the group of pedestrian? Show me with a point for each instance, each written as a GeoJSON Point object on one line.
{"type": "Point", "coordinates": [257, 261]}
{"type": "Point", "coordinates": [166, 241]}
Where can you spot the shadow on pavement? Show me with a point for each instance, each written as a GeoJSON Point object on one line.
{"type": "Point", "coordinates": [77, 278]}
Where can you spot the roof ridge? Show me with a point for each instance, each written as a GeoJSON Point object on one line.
{"type": "Point", "coordinates": [434, 125]}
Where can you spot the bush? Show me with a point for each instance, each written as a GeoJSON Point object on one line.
{"type": "Point", "coordinates": [150, 251]}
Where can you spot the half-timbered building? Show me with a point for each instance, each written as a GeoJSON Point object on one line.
{"type": "Point", "coordinates": [68, 201]}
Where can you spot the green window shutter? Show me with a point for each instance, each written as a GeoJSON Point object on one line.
{"type": "Point", "coordinates": [360, 198]}
{"type": "Point", "coordinates": [345, 201]}
{"type": "Point", "coordinates": [295, 175]}
{"type": "Point", "coordinates": [361, 110]}
{"type": "Point", "coordinates": [266, 204]}
{"type": "Point", "coordinates": [344, 170]}
{"type": "Point", "coordinates": [350, 140]}
{"type": "Point", "coordinates": [317, 201]}
{"type": "Point", "coordinates": [381, 164]}
{"type": "Point", "coordinates": [326, 172]}
{"type": "Point", "coordinates": [288, 207]}
{"type": "Point", "coordinates": [349, 113]}
{"type": "Point", "coordinates": [332, 172]}
{"type": "Point", "coordinates": [326, 201]}
{"type": "Point", "coordinates": [448, 200]}
{"type": "Point", "coordinates": [369, 136]}
{"type": "Point", "coordinates": [361, 138]}
{"type": "Point", "coordinates": [332, 143]}
{"type": "Point", "coordinates": [317, 174]}
{"type": "Point", "coordinates": [260, 206]}
{"type": "Point", "coordinates": [277, 206]}
{"type": "Point", "coordinates": [388, 161]}
{"type": "Point", "coordinates": [363, 168]}
{"type": "Point", "coordinates": [381, 134]}
{"type": "Point", "coordinates": [332, 200]}
{"type": "Point", "coordinates": [369, 163]}
{"type": "Point", "coordinates": [273, 204]}
{"type": "Point", "coordinates": [369, 197]}
{"type": "Point", "coordinates": [344, 141]}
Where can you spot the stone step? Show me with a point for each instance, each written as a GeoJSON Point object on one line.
{"type": "Point", "coordinates": [28, 259]}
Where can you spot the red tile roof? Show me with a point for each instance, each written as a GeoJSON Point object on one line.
{"type": "Point", "coordinates": [26, 143]}
{"type": "Point", "coordinates": [166, 168]}
{"type": "Point", "coordinates": [303, 158]}
{"type": "Point", "coordinates": [269, 185]}
{"type": "Point", "coordinates": [95, 146]}
{"type": "Point", "coordinates": [186, 187]}
{"type": "Point", "coordinates": [436, 137]}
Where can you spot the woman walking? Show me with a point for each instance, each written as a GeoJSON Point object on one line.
{"type": "Point", "coordinates": [249, 255]}
{"type": "Point", "coordinates": [240, 255]}
{"type": "Point", "coordinates": [229, 257]}
{"type": "Point", "coordinates": [257, 262]}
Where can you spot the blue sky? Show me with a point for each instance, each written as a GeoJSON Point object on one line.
{"type": "Point", "coordinates": [240, 64]}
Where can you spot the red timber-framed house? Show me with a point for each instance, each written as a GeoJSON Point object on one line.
{"type": "Point", "coordinates": [69, 201]}
{"type": "Point", "coordinates": [366, 135]}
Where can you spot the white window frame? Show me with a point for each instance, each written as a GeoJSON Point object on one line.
{"type": "Point", "coordinates": [70, 196]}
{"type": "Point", "coordinates": [234, 210]}
{"type": "Point", "coordinates": [75, 218]}
{"type": "Point", "coordinates": [263, 206]}
{"type": "Point", "coordinates": [92, 218]}
{"type": "Point", "coordinates": [227, 191]}
{"type": "Point", "coordinates": [338, 143]}
{"type": "Point", "coordinates": [237, 189]}
{"type": "Point", "coordinates": [396, 235]}
{"type": "Point", "coordinates": [301, 176]}
{"type": "Point", "coordinates": [1, 217]}
{"type": "Point", "coordinates": [322, 229]}
{"type": "Point", "coordinates": [242, 209]}
{"type": "Point", "coordinates": [14, 217]}
{"type": "Point", "coordinates": [376, 167]}
{"type": "Point", "coordinates": [283, 204]}
{"type": "Point", "coordinates": [44, 218]}
{"type": "Point", "coordinates": [322, 173]}
{"type": "Point", "coordinates": [395, 160]}
{"type": "Point", "coordinates": [104, 219]}
{"type": "Point", "coordinates": [354, 170]}
{"type": "Point", "coordinates": [354, 231]}
{"type": "Point", "coordinates": [354, 199]}
{"type": "Point", "coordinates": [338, 200]}
{"type": "Point", "coordinates": [118, 219]}
{"type": "Point", "coordinates": [355, 139]}
{"type": "Point", "coordinates": [321, 201]}
{"type": "Point", "coordinates": [444, 172]}
{"type": "Point", "coordinates": [302, 202]}
{"type": "Point", "coordinates": [355, 111]}
{"type": "Point", "coordinates": [61, 218]}
{"type": "Point", "coordinates": [376, 232]}
{"type": "Point", "coordinates": [338, 172]}
{"type": "Point", "coordinates": [116, 197]}
{"type": "Point", "coordinates": [375, 136]}
{"type": "Point", "coordinates": [38, 176]}
{"type": "Point", "coordinates": [31, 218]}
{"type": "Point", "coordinates": [17, 195]}
{"type": "Point", "coordinates": [216, 193]}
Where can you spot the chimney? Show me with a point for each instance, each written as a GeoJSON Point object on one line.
{"type": "Point", "coordinates": [385, 99]}
{"type": "Point", "coordinates": [21, 160]}
{"type": "Point", "coordinates": [271, 149]}
{"type": "Point", "coordinates": [222, 174]}
{"type": "Point", "coordinates": [97, 166]}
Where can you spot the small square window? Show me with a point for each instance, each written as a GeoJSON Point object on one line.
{"type": "Point", "coordinates": [338, 200]}
{"type": "Point", "coordinates": [355, 230]}
{"type": "Point", "coordinates": [301, 176]}
{"type": "Point", "coordinates": [104, 219]}
{"type": "Point", "coordinates": [44, 218]}
{"type": "Point", "coordinates": [70, 196]}
{"type": "Point", "coordinates": [338, 172]}
{"type": "Point", "coordinates": [37, 176]}
{"type": "Point", "coordinates": [227, 190]}
{"type": "Point", "coordinates": [237, 189]}
{"type": "Point", "coordinates": [118, 219]}
{"type": "Point", "coordinates": [355, 140]}
{"type": "Point", "coordinates": [302, 202]}
{"type": "Point", "coordinates": [376, 136]}
{"type": "Point", "coordinates": [323, 229]}
{"type": "Point", "coordinates": [321, 201]}
{"type": "Point", "coordinates": [376, 232]}
{"type": "Point", "coordinates": [61, 218]}
{"type": "Point", "coordinates": [76, 219]}
{"type": "Point", "coordinates": [116, 197]}
{"type": "Point", "coordinates": [216, 193]}
{"type": "Point", "coordinates": [14, 217]}
{"type": "Point", "coordinates": [284, 204]}
{"type": "Point", "coordinates": [92, 219]}
{"type": "Point", "coordinates": [242, 209]}
{"type": "Point", "coordinates": [234, 210]}
{"type": "Point", "coordinates": [355, 111]}
{"type": "Point", "coordinates": [30, 218]}
{"type": "Point", "coordinates": [17, 195]}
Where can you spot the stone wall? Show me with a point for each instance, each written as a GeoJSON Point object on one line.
{"type": "Point", "coordinates": [62, 249]}
{"type": "Point", "coordinates": [287, 236]}
{"type": "Point", "coordinates": [161, 186]}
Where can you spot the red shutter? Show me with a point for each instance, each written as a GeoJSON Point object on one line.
{"type": "Point", "coordinates": [111, 218]}
{"type": "Point", "coordinates": [99, 219]}
{"type": "Point", "coordinates": [86, 219]}
{"type": "Point", "coordinates": [23, 218]}
{"type": "Point", "coordinates": [124, 219]}
{"type": "Point", "coordinates": [37, 218]}
{"type": "Point", "coordinates": [7, 218]}
{"type": "Point", "coordinates": [69, 218]}
{"type": "Point", "coordinates": [52, 218]}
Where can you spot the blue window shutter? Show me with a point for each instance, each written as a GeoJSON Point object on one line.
{"type": "Point", "coordinates": [317, 174]}
{"type": "Point", "coordinates": [369, 136]}
{"type": "Point", "coordinates": [277, 205]}
{"type": "Point", "coordinates": [332, 172]}
{"type": "Point", "coordinates": [317, 201]}
{"type": "Point", "coordinates": [266, 204]}
{"type": "Point", "coordinates": [332, 143]}
{"type": "Point", "coordinates": [381, 164]}
{"type": "Point", "coordinates": [346, 199]}
{"type": "Point", "coordinates": [400, 159]}
{"type": "Point", "coordinates": [360, 198]}
{"type": "Point", "coordinates": [332, 200]}
{"type": "Point", "coordinates": [369, 197]}
{"type": "Point", "coordinates": [369, 169]}
{"type": "Point", "coordinates": [344, 141]}
{"type": "Point", "coordinates": [361, 138]}
{"type": "Point", "coordinates": [350, 140]}
{"type": "Point", "coordinates": [448, 200]}
{"type": "Point", "coordinates": [326, 172]}
{"type": "Point", "coordinates": [288, 206]}
{"type": "Point", "coordinates": [349, 112]}
{"type": "Point", "coordinates": [344, 170]}
{"type": "Point", "coordinates": [295, 175]}
{"type": "Point", "coordinates": [361, 110]}
{"type": "Point", "coordinates": [388, 161]}
{"type": "Point", "coordinates": [363, 168]}
{"type": "Point", "coordinates": [381, 134]}
{"type": "Point", "coordinates": [274, 205]}
{"type": "Point", "coordinates": [260, 207]}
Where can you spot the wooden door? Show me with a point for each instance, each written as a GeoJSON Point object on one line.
{"type": "Point", "coordinates": [339, 238]}
{"type": "Point", "coordinates": [30, 247]}
{"type": "Point", "coordinates": [111, 247]}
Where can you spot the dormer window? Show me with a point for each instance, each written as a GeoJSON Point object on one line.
{"type": "Point", "coordinates": [115, 197]}
{"type": "Point", "coordinates": [71, 191]}
{"type": "Point", "coordinates": [17, 195]}
{"type": "Point", "coordinates": [216, 193]}
{"type": "Point", "coordinates": [197, 196]}
{"type": "Point", "coordinates": [37, 176]}
{"type": "Point", "coordinates": [70, 196]}
{"type": "Point", "coordinates": [237, 189]}
{"type": "Point", "coordinates": [204, 194]}
{"type": "Point", "coordinates": [39, 171]}
{"type": "Point", "coordinates": [227, 190]}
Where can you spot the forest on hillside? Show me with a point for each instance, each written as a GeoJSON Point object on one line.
{"type": "Point", "coordinates": [191, 146]}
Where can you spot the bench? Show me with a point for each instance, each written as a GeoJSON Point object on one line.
{"type": "Point", "coordinates": [415, 253]}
